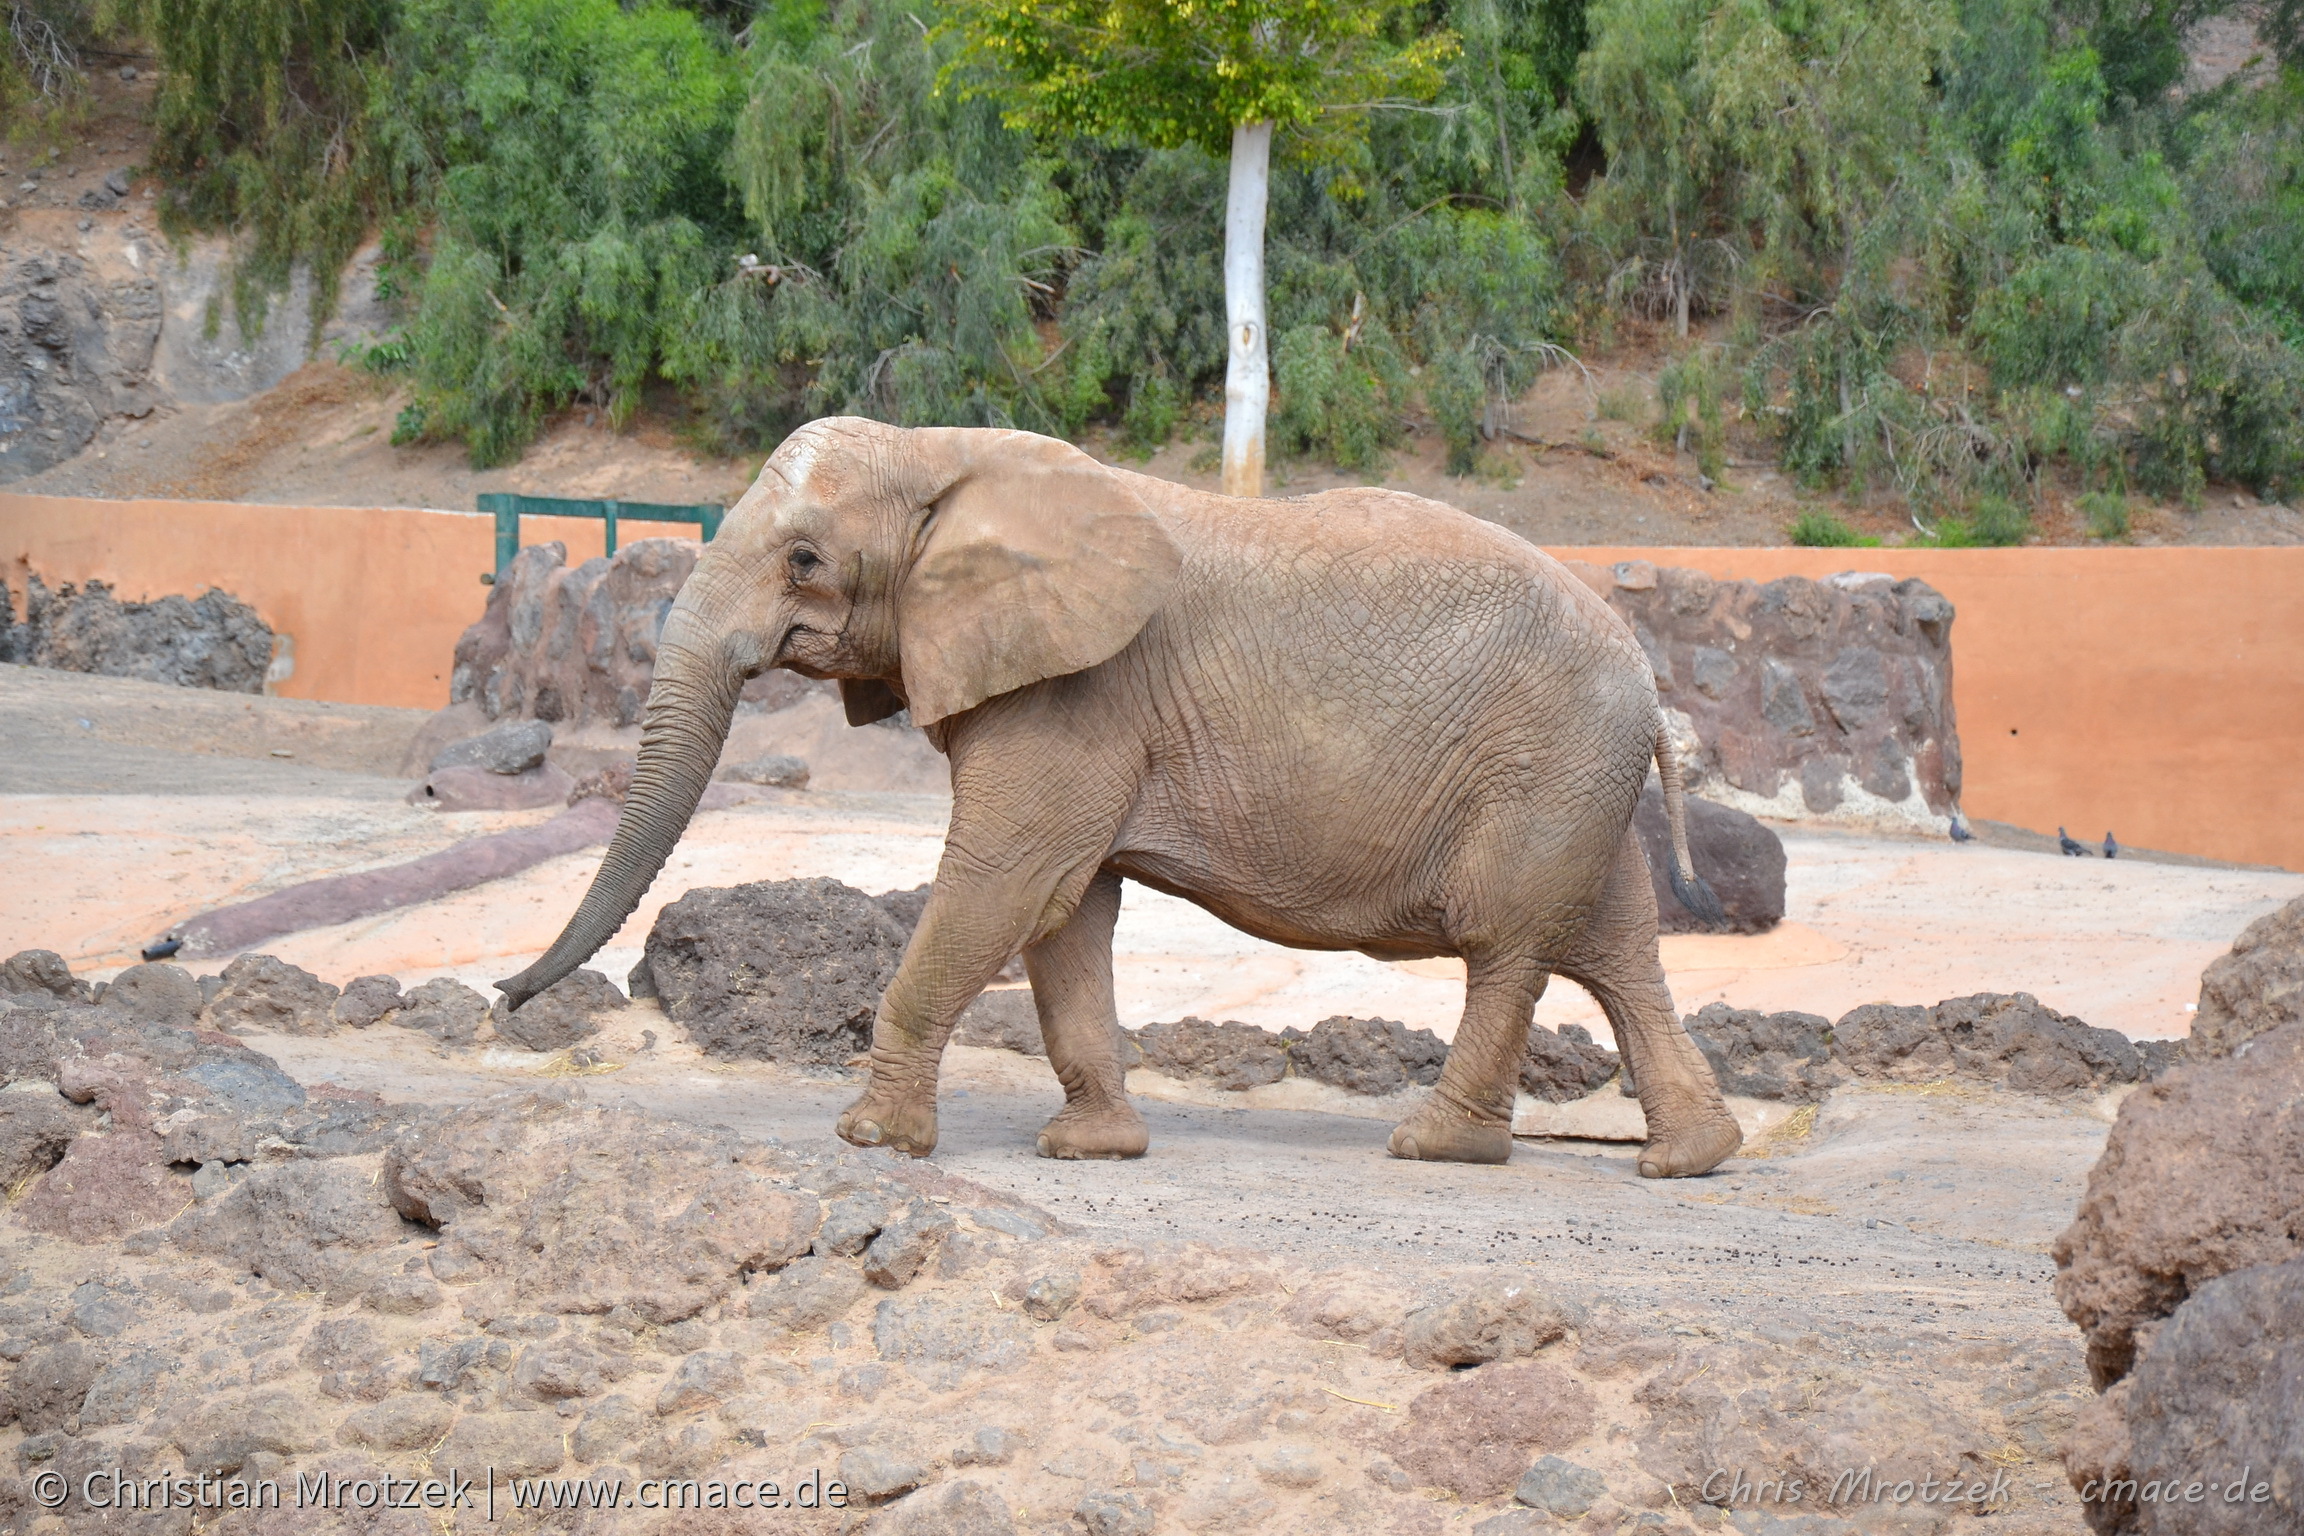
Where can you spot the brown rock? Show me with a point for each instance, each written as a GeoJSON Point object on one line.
{"type": "Point", "coordinates": [1232, 1056]}
{"type": "Point", "coordinates": [408, 1421]}
{"type": "Point", "coordinates": [1496, 1319]}
{"type": "Point", "coordinates": [2256, 988]}
{"type": "Point", "coordinates": [514, 1444]}
{"type": "Point", "coordinates": [155, 993]}
{"type": "Point", "coordinates": [783, 970]}
{"type": "Point", "coordinates": [35, 1128]}
{"type": "Point", "coordinates": [561, 1014]}
{"type": "Point", "coordinates": [49, 1384]}
{"type": "Point", "coordinates": [587, 1210]}
{"type": "Point", "coordinates": [2203, 1175]}
{"type": "Point", "coordinates": [1735, 854]}
{"type": "Point", "coordinates": [42, 970]}
{"type": "Point", "coordinates": [571, 645]}
{"type": "Point", "coordinates": [1475, 1433]}
{"type": "Point", "coordinates": [1781, 1056]}
{"type": "Point", "coordinates": [104, 1188]}
{"type": "Point", "coordinates": [1565, 1066]}
{"type": "Point", "coordinates": [261, 992]}
{"type": "Point", "coordinates": [367, 1000]}
{"type": "Point", "coordinates": [307, 1226]}
{"type": "Point", "coordinates": [2006, 1040]}
{"type": "Point", "coordinates": [2219, 1397]}
{"type": "Point", "coordinates": [1376, 1056]}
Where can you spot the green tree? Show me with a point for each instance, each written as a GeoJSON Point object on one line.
{"type": "Point", "coordinates": [1222, 75]}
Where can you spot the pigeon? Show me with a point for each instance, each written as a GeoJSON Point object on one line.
{"type": "Point", "coordinates": [1960, 832]}
{"type": "Point", "coordinates": [2072, 849]}
{"type": "Point", "coordinates": [161, 949]}
{"type": "Point", "coordinates": [2111, 848]}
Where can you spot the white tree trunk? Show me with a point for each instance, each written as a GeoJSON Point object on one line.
{"type": "Point", "coordinates": [1247, 367]}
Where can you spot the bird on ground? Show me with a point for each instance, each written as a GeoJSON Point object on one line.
{"type": "Point", "coordinates": [2111, 848]}
{"type": "Point", "coordinates": [2073, 848]}
{"type": "Point", "coordinates": [161, 949]}
{"type": "Point", "coordinates": [1960, 832]}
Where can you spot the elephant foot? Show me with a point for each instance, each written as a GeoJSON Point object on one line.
{"type": "Point", "coordinates": [1438, 1133]}
{"type": "Point", "coordinates": [1100, 1128]}
{"type": "Point", "coordinates": [901, 1119]}
{"type": "Point", "coordinates": [1700, 1146]}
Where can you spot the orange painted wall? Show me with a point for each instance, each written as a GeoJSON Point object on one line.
{"type": "Point", "coordinates": [374, 596]}
{"type": "Point", "coordinates": [2155, 692]}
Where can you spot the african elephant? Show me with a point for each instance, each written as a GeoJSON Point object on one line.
{"type": "Point", "coordinates": [1354, 720]}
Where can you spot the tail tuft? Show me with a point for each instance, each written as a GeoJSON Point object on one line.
{"type": "Point", "coordinates": [1692, 893]}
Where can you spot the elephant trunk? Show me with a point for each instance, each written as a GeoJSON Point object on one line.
{"type": "Point", "coordinates": [690, 705]}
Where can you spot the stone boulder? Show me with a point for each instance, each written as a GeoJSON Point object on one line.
{"type": "Point", "coordinates": [562, 1014]}
{"type": "Point", "coordinates": [1376, 1056]}
{"type": "Point", "coordinates": [76, 350]}
{"type": "Point", "coordinates": [584, 1210]}
{"type": "Point", "coordinates": [775, 770]}
{"type": "Point", "coordinates": [1565, 1066]}
{"type": "Point", "coordinates": [35, 1130]}
{"type": "Point", "coordinates": [1739, 858]}
{"type": "Point", "coordinates": [2203, 1175]}
{"type": "Point", "coordinates": [154, 993]}
{"type": "Point", "coordinates": [779, 970]}
{"type": "Point", "coordinates": [1499, 1318]}
{"type": "Point", "coordinates": [42, 971]}
{"type": "Point", "coordinates": [2203, 1438]}
{"type": "Point", "coordinates": [444, 1008]}
{"type": "Point", "coordinates": [261, 992]}
{"type": "Point", "coordinates": [2006, 1040]}
{"type": "Point", "coordinates": [212, 641]}
{"type": "Point", "coordinates": [1475, 1433]}
{"type": "Point", "coordinates": [516, 746]}
{"type": "Point", "coordinates": [1232, 1056]}
{"type": "Point", "coordinates": [317, 1225]}
{"type": "Point", "coordinates": [1781, 1056]}
{"type": "Point", "coordinates": [367, 1001]}
{"type": "Point", "coordinates": [1802, 699]}
{"type": "Point", "coordinates": [1003, 1019]}
{"type": "Point", "coordinates": [473, 788]}
{"type": "Point", "coordinates": [2256, 988]}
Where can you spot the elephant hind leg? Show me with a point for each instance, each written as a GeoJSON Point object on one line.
{"type": "Point", "coordinates": [1468, 1117]}
{"type": "Point", "coordinates": [1614, 958]}
{"type": "Point", "coordinates": [1071, 973]}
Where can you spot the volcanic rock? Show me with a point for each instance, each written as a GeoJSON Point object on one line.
{"type": "Point", "coordinates": [444, 1008]}
{"type": "Point", "coordinates": [584, 1210]}
{"type": "Point", "coordinates": [261, 992]}
{"type": "Point", "coordinates": [212, 641]}
{"type": "Point", "coordinates": [514, 747]}
{"type": "Point", "coordinates": [1565, 1066]}
{"type": "Point", "coordinates": [2202, 1175]}
{"type": "Point", "coordinates": [1781, 1056]}
{"type": "Point", "coordinates": [35, 1128]}
{"type": "Point", "coordinates": [1232, 1056]}
{"type": "Point", "coordinates": [1734, 854]}
{"type": "Point", "coordinates": [2256, 988]}
{"type": "Point", "coordinates": [155, 993]}
{"type": "Point", "coordinates": [41, 970]}
{"type": "Point", "coordinates": [367, 1000]}
{"type": "Point", "coordinates": [561, 1014]}
{"type": "Point", "coordinates": [1499, 1319]}
{"type": "Point", "coordinates": [1474, 1433]}
{"type": "Point", "coordinates": [1375, 1056]}
{"type": "Point", "coordinates": [775, 771]}
{"type": "Point", "coordinates": [784, 970]}
{"type": "Point", "coordinates": [2007, 1040]}
{"type": "Point", "coordinates": [1002, 1019]}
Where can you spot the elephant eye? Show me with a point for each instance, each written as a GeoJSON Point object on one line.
{"type": "Point", "coordinates": [804, 563]}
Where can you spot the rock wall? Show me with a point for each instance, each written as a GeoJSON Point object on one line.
{"type": "Point", "coordinates": [572, 645]}
{"type": "Point", "coordinates": [211, 641]}
{"type": "Point", "coordinates": [1802, 700]}
{"type": "Point", "coordinates": [76, 348]}
{"type": "Point", "coordinates": [108, 322]}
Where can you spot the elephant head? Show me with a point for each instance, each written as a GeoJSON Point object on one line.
{"type": "Point", "coordinates": [931, 568]}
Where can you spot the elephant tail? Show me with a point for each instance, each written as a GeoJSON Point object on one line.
{"type": "Point", "coordinates": [1687, 885]}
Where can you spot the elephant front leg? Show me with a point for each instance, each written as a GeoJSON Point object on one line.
{"type": "Point", "coordinates": [1071, 973]}
{"type": "Point", "coordinates": [1468, 1117]}
{"type": "Point", "coordinates": [967, 932]}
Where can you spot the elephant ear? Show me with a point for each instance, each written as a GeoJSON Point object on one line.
{"type": "Point", "coordinates": [1034, 562]}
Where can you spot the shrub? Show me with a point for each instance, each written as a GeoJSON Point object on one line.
{"type": "Point", "coordinates": [2105, 513]}
{"type": "Point", "coordinates": [1818, 529]}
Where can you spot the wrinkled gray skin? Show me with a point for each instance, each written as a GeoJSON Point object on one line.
{"type": "Point", "coordinates": [1355, 720]}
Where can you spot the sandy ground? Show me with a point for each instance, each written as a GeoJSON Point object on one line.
{"type": "Point", "coordinates": [1893, 1243]}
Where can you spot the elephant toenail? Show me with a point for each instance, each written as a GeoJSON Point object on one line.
{"type": "Point", "coordinates": [869, 1132]}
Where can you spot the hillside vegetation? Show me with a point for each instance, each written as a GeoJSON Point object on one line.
{"type": "Point", "coordinates": [1932, 251]}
